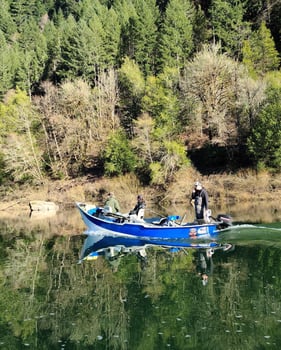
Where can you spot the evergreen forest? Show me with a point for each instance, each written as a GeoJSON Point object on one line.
{"type": "Point", "coordinates": [110, 87]}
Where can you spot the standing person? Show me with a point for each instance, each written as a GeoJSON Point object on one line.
{"type": "Point", "coordinates": [140, 205]}
{"type": "Point", "coordinates": [199, 200]}
{"type": "Point", "coordinates": [112, 202]}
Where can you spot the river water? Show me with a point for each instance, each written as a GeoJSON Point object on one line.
{"type": "Point", "coordinates": [48, 300]}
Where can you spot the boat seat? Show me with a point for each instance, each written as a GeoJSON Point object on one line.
{"type": "Point", "coordinates": [141, 213]}
{"type": "Point", "coordinates": [167, 221]}
{"type": "Point", "coordinates": [135, 218]}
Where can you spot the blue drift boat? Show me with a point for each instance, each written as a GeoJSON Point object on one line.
{"type": "Point", "coordinates": [100, 221]}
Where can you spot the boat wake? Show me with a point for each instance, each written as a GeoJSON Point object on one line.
{"type": "Point", "coordinates": [269, 234]}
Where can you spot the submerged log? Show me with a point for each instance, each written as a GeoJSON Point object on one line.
{"type": "Point", "coordinates": [43, 206]}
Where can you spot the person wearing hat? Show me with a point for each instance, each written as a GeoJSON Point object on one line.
{"type": "Point", "coordinates": [140, 205]}
{"type": "Point", "coordinates": [112, 203]}
{"type": "Point", "coordinates": [199, 200]}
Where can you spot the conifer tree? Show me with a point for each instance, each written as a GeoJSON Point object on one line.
{"type": "Point", "coordinates": [118, 156]}
{"type": "Point", "coordinates": [69, 8]}
{"type": "Point", "coordinates": [273, 22]}
{"type": "Point", "coordinates": [53, 36]}
{"type": "Point", "coordinates": [7, 25]}
{"type": "Point", "coordinates": [259, 52]}
{"type": "Point", "coordinates": [145, 28]}
{"type": "Point", "coordinates": [111, 42]}
{"type": "Point", "coordinates": [264, 143]}
{"type": "Point", "coordinates": [82, 51]}
{"type": "Point", "coordinates": [228, 25]}
{"type": "Point", "coordinates": [200, 29]}
{"type": "Point", "coordinates": [91, 44]}
{"type": "Point", "coordinates": [105, 24]}
{"type": "Point", "coordinates": [33, 49]}
{"type": "Point", "coordinates": [176, 34]}
{"type": "Point", "coordinates": [68, 62]}
{"type": "Point", "coordinates": [139, 31]}
{"type": "Point", "coordinates": [24, 10]}
{"type": "Point", "coordinates": [127, 15]}
{"type": "Point", "coordinates": [6, 65]}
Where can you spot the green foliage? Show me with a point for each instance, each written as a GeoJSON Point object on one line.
{"type": "Point", "coordinates": [259, 52]}
{"type": "Point", "coordinates": [12, 113]}
{"type": "Point", "coordinates": [145, 32]}
{"type": "Point", "coordinates": [161, 102]}
{"type": "Point", "coordinates": [90, 44]}
{"type": "Point", "coordinates": [7, 65]}
{"type": "Point", "coordinates": [200, 29]}
{"type": "Point", "coordinates": [139, 32]}
{"type": "Point", "coordinates": [176, 34]}
{"type": "Point", "coordinates": [53, 36]}
{"type": "Point", "coordinates": [229, 28]}
{"type": "Point", "coordinates": [264, 143]}
{"type": "Point", "coordinates": [156, 173]}
{"type": "Point", "coordinates": [111, 39]}
{"type": "Point", "coordinates": [132, 85]}
{"type": "Point", "coordinates": [23, 10]}
{"type": "Point", "coordinates": [143, 67]}
{"type": "Point", "coordinates": [33, 56]}
{"type": "Point", "coordinates": [69, 7]}
{"type": "Point", "coordinates": [273, 79]}
{"type": "Point", "coordinates": [7, 25]}
{"type": "Point", "coordinates": [118, 156]}
{"type": "Point", "coordinates": [131, 78]}
{"type": "Point", "coordinates": [78, 56]}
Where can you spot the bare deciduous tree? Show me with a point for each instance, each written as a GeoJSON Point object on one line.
{"type": "Point", "coordinates": [211, 80]}
{"type": "Point", "coordinates": [23, 157]}
{"type": "Point", "coordinates": [77, 121]}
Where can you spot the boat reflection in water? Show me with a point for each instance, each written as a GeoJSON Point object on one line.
{"type": "Point", "coordinates": [113, 248]}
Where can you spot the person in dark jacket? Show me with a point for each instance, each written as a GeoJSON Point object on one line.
{"type": "Point", "coordinates": [140, 205]}
{"type": "Point", "coordinates": [200, 201]}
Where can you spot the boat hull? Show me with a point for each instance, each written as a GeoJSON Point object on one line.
{"type": "Point", "coordinates": [144, 230]}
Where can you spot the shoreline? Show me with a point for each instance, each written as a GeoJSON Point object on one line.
{"type": "Point", "coordinates": [224, 190]}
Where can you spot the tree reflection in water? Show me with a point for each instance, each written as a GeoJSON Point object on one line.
{"type": "Point", "coordinates": [48, 300]}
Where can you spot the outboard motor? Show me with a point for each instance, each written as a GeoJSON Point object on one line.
{"type": "Point", "coordinates": [224, 221]}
